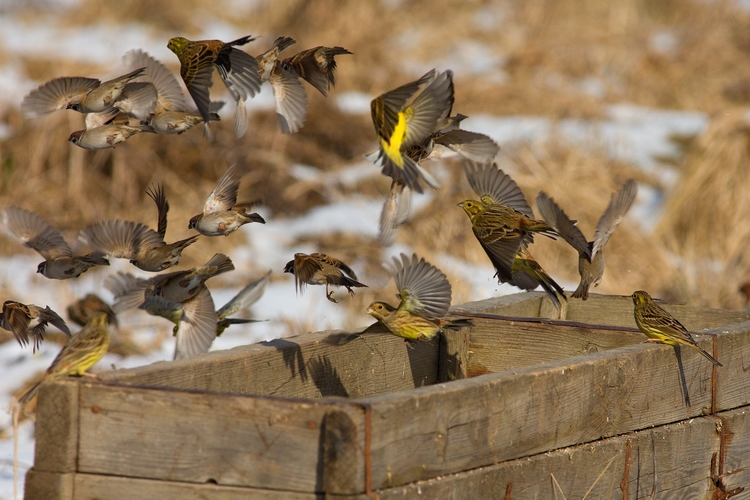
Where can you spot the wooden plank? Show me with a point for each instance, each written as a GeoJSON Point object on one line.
{"type": "Point", "coordinates": [56, 429]}
{"type": "Point", "coordinates": [92, 486]}
{"type": "Point", "coordinates": [733, 384]}
{"type": "Point", "coordinates": [675, 458]}
{"type": "Point", "coordinates": [495, 346]}
{"type": "Point", "coordinates": [525, 304]}
{"type": "Point", "coordinates": [732, 467]}
{"type": "Point", "coordinates": [470, 423]}
{"type": "Point", "coordinates": [225, 439]}
{"type": "Point", "coordinates": [618, 310]}
{"type": "Point", "coordinates": [307, 366]}
{"type": "Point", "coordinates": [42, 485]}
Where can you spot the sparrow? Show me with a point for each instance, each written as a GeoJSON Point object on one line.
{"type": "Point", "coordinates": [222, 215]}
{"type": "Point", "coordinates": [321, 269]}
{"type": "Point", "coordinates": [30, 321]}
{"type": "Point", "coordinates": [83, 350]}
{"type": "Point", "coordinates": [662, 327]}
{"type": "Point", "coordinates": [80, 311]}
{"type": "Point", "coordinates": [425, 295]}
{"type": "Point", "coordinates": [501, 219]}
{"type": "Point", "coordinates": [196, 321]}
{"type": "Point", "coordinates": [590, 253]}
{"type": "Point", "coordinates": [85, 95]}
{"type": "Point", "coordinates": [106, 136]}
{"type": "Point", "coordinates": [400, 126]}
{"type": "Point", "coordinates": [290, 97]}
{"type": "Point", "coordinates": [36, 233]}
{"type": "Point", "coordinates": [170, 114]}
{"type": "Point", "coordinates": [317, 66]}
{"type": "Point", "coordinates": [178, 287]}
{"type": "Point", "coordinates": [238, 71]}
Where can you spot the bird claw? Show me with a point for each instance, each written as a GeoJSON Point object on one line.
{"type": "Point", "coordinates": [328, 296]}
{"type": "Point", "coordinates": [91, 375]}
{"type": "Point", "coordinates": [351, 292]}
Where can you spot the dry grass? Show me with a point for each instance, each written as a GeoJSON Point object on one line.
{"type": "Point", "coordinates": [540, 54]}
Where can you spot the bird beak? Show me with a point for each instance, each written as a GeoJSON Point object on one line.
{"type": "Point", "coordinates": [461, 205]}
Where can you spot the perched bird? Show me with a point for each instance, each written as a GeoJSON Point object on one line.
{"type": "Point", "coordinates": [590, 254]}
{"type": "Point", "coordinates": [36, 233]}
{"type": "Point", "coordinates": [83, 350]}
{"type": "Point", "coordinates": [662, 327]}
{"type": "Point", "coordinates": [400, 126]}
{"type": "Point", "coordinates": [85, 95]}
{"type": "Point", "coordinates": [179, 286]}
{"type": "Point", "coordinates": [425, 295]}
{"type": "Point", "coordinates": [291, 101]}
{"type": "Point", "coordinates": [321, 269]}
{"type": "Point", "coordinates": [106, 136]}
{"type": "Point", "coordinates": [317, 66]}
{"type": "Point", "coordinates": [222, 215]}
{"type": "Point", "coordinates": [502, 219]}
{"type": "Point", "coordinates": [80, 311]}
{"type": "Point", "coordinates": [238, 71]}
{"type": "Point", "coordinates": [196, 321]}
{"type": "Point", "coordinates": [170, 114]}
{"type": "Point", "coordinates": [144, 247]}
{"type": "Point", "coordinates": [30, 321]}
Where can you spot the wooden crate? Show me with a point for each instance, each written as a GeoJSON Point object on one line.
{"type": "Point", "coordinates": [510, 408]}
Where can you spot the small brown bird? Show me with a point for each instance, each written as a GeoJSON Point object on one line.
{"type": "Point", "coordinates": [396, 211]}
{"type": "Point", "coordinates": [590, 254]}
{"type": "Point", "coordinates": [317, 66]}
{"type": "Point", "coordinates": [321, 269]}
{"type": "Point", "coordinates": [106, 136]}
{"type": "Point", "coordinates": [85, 95]}
{"type": "Point", "coordinates": [400, 126]}
{"type": "Point", "coordinates": [425, 295]}
{"type": "Point", "coordinates": [81, 311]}
{"type": "Point", "coordinates": [662, 327]}
{"type": "Point", "coordinates": [36, 233]}
{"type": "Point", "coordinates": [222, 215]}
{"type": "Point", "coordinates": [30, 321]}
{"type": "Point", "coordinates": [238, 71]}
{"type": "Point", "coordinates": [502, 221]}
{"type": "Point", "coordinates": [83, 350]}
{"type": "Point", "coordinates": [178, 287]}
{"type": "Point", "coordinates": [170, 114]}
{"type": "Point", "coordinates": [528, 275]}
{"type": "Point", "coordinates": [291, 101]}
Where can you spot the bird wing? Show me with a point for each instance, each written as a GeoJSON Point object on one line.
{"type": "Point", "coordinates": [305, 267]}
{"type": "Point", "coordinates": [224, 197]}
{"type": "Point", "coordinates": [170, 96]}
{"type": "Point", "coordinates": [566, 228]}
{"type": "Point", "coordinates": [35, 232]}
{"type": "Point", "coordinates": [385, 108]}
{"type": "Point", "coordinates": [17, 317]}
{"type": "Point", "coordinates": [471, 145]}
{"type": "Point", "coordinates": [332, 261]}
{"type": "Point", "coordinates": [317, 66]}
{"type": "Point", "coordinates": [496, 187]}
{"type": "Point", "coordinates": [291, 101]}
{"type": "Point", "coordinates": [423, 288]}
{"type": "Point", "coordinates": [156, 193]}
{"type": "Point", "coordinates": [618, 206]}
{"type": "Point", "coordinates": [432, 104]}
{"type": "Point", "coordinates": [245, 298]}
{"type": "Point", "coordinates": [57, 94]}
{"type": "Point", "coordinates": [197, 328]}
{"type": "Point", "coordinates": [196, 70]}
{"type": "Point", "coordinates": [119, 238]}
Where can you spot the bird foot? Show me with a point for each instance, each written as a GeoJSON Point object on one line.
{"type": "Point", "coordinates": [651, 341]}
{"type": "Point", "coordinates": [328, 296]}
{"type": "Point", "coordinates": [351, 292]}
{"type": "Point", "coordinates": [91, 375]}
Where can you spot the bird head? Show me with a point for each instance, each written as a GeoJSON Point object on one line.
{"type": "Point", "coordinates": [74, 138]}
{"type": "Point", "coordinates": [194, 221]}
{"type": "Point", "coordinates": [42, 268]}
{"type": "Point", "coordinates": [471, 207]}
{"type": "Point", "coordinates": [75, 106]}
{"type": "Point", "coordinates": [380, 310]}
{"type": "Point", "coordinates": [289, 267]}
{"type": "Point", "coordinates": [177, 44]}
{"type": "Point", "coordinates": [640, 297]}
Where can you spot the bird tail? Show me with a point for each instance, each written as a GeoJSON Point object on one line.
{"type": "Point", "coordinates": [222, 262]}
{"type": "Point", "coordinates": [29, 395]}
{"type": "Point", "coordinates": [582, 292]}
{"type": "Point", "coordinates": [243, 40]}
{"type": "Point", "coordinates": [95, 258]}
{"type": "Point", "coordinates": [707, 355]}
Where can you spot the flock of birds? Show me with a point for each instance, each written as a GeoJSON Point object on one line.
{"type": "Point", "coordinates": [413, 123]}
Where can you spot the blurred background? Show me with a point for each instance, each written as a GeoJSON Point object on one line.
{"type": "Point", "coordinates": [580, 94]}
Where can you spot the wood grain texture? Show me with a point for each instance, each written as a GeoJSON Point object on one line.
{"type": "Point", "coordinates": [680, 470]}
{"type": "Point", "coordinates": [465, 424]}
{"type": "Point", "coordinates": [42, 485]}
{"type": "Point", "coordinates": [306, 366]}
{"type": "Point", "coordinates": [733, 379]}
{"type": "Point", "coordinates": [732, 468]}
{"type": "Point", "coordinates": [57, 427]}
{"type": "Point", "coordinates": [525, 304]}
{"type": "Point", "coordinates": [231, 440]}
{"type": "Point", "coordinates": [92, 486]}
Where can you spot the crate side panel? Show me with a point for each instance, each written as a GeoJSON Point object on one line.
{"type": "Point", "coordinates": [733, 382]}
{"type": "Point", "coordinates": [471, 423]}
{"type": "Point", "coordinates": [307, 366]}
{"type": "Point", "coordinates": [42, 485]}
{"type": "Point", "coordinates": [733, 469]}
{"type": "Point", "coordinates": [56, 431]}
{"type": "Point", "coordinates": [230, 440]}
